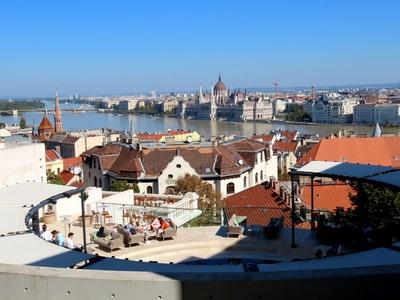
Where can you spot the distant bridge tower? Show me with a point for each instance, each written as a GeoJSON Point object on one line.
{"type": "Point", "coordinates": [15, 112]}
{"type": "Point", "coordinates": [276, 89]}
{"type": "Point", "coordinates": [57, 116]}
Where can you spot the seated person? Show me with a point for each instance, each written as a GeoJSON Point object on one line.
{"type": "Point", "coordinates": [101, 233]}
{"type": "Point", "coordinates": [156, 224]}
{"type": "Point", "coordinates": [165, 225]}
{"type": "Point", "coordinates": [69, 243]}
{"type": "Point", "coordinates": [57, 238]}
{"type": "Point", "coordinates": [131, 227]}
{"type": "Point", "coordinates": [45, 234]}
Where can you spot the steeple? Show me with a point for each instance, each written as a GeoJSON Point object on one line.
{"type": "Point", "coordinates": [57, 115]}
{"type": "Point", "coordinates": [201, 98]}
{"type": "Point", "coordinates": [377, 131]}
{"type": "Point", "coordinates": [219, 77]}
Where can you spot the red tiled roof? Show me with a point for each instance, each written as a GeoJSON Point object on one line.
{"type": "Point", "coordinates": [266, 138]}
{"type": "Point", "coordinates": [328, 197]}
{"type": "Point", "coordinates": [45, 124]}
{"type": "Point", "coordinates": [246, 145]}
{"type": "Point", "coordinates": [289, 135]}
{"type": "Point", "coordinates": [52, 155]}
{"type": "Point", "coordinates": [67, 177]}
{"type": "Point", "coordinates": [72, 162]}
{"type": "Point", "coordinates": [383, 151]}
{"type": "Point", "coordinates": [259, 204]}
{"type": "Point", "coordinates": [280, 146]}
{"type": "Point", "coordinates": [158, 136]}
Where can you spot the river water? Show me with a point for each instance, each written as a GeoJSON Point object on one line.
{"type": "Point", "coordinates": [143, 123]}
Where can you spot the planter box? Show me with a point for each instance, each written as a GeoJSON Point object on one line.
{"type": "Point", "coordinates": [49, 218]}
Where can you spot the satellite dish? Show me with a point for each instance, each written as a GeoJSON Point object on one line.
{"type": "Point", "coordinates": [189, 139]}
{"type": "Point", "coordinates": [240, 162]}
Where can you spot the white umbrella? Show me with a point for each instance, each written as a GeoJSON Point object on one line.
{"type": "Point", "coordinates": [4, 132]}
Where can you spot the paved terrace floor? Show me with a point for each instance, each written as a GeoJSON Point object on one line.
{"type": "Point", "coordinates": [209, 242]}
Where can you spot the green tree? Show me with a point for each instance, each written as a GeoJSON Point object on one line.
{"type": "Point", "coordinates": [209, 199]}
{"type": "Point", "coordinates": [54, 178]}
{"type": "Point", "coordinates": [378, 207]}
{"type": "Point", "coordinates": [295, 113]}
{"type": "Point", "coordinates": [22, 123]}
{"type": "Point", "coordinates": [123, 185]}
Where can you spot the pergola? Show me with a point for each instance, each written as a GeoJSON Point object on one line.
{"type": "Point", "coordinates": [374, 174]}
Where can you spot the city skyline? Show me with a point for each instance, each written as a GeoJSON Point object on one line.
{"type": "Point", "coordinates": [135, 48]}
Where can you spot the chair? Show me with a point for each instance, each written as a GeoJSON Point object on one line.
{"type": "Point", "coordinates": [116, 241]}
{"type": "Point", "coordinates": [169, 232]}
{"type": "Point", "coordinates": [273, 228]}
{"type": "Point", "coordinates": [130, 239]}
{"type": "Point", "coordinates": [233, 229]}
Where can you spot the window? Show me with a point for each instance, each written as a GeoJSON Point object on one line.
{"type": "Point", "coordinates": [89, 174]}
{"type": "Point", "coordinates": [245, 181]}
{"type": "Point", "coordinates": [95, 181]}
{"type": "Point", "coordinates": [256, 178]}
{"type": "Point", "coordinates": [230, 188]}
{"type": "Point", "coordinates": [94, 163]}
{"type": "Point", "coordinates": [170, 176]}
{"type": "Point", "coordinates": [178, 166]}
{"type": "Point", "coordinates": [100, 183]}
{"type": "Point", "coordinates": [149, 190]}
{"type": "Point", "coordinates": [58, 170]}
{"type": "Point", "coordinates": [98, 165]}
{"type": "Point", "coordinates": [261, 175]}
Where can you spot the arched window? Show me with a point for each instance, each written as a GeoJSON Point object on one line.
{"type": "Point", "coordinates": [95, 181]}
{"type": "Point", "coordinates": [149, 190]}
{"type": "Point", "coordinates": [100, 183]}
{"type": "Point", "coordinates": [256, 178]}
{"type": "Point", "coordinates": [170, 190]}
{"type": "Point", "coordinates": [245, 181]}
{"type": "Point", "coordinates": [261, 175]}
{"type": "Point", "coordinates": [230, 188]}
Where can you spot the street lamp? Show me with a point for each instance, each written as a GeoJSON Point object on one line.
{"type": "Point", "coordinates": [83, 197]}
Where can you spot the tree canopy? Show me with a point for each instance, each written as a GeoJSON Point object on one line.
{"type": "Point", "coordinates": [54, 178]}
{"type": "Point", "coordinates": [22, 123]}
{"type": "Point", "coordinates": [123, 185]}
{"type": "Point", "coordinates": [296, 113]}
{"type": "Point", "coordinates": [209, 199]}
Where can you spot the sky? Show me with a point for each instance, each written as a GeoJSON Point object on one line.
{"type": "Point", "coordinates": [121, 47]}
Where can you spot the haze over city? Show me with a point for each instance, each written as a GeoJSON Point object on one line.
{"type": "Point", "coordinates": [123, 47]}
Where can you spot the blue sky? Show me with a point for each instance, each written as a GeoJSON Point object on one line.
{"type": "Point", "coordinates": [106, 47]}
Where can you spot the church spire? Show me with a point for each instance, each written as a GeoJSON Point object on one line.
{"type": "Point", "coordinates": [57, 115]}
{"type": "Point", "coordinates": [219, 77]}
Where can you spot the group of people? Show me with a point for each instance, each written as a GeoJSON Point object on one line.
{"type": "Point", "coordinates": [58, 238]}
{"type": "Point", "coordinates": [156, 225]}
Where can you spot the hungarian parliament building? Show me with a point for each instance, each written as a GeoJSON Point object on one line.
{"type": "Point", "coordinates": [222, 105]}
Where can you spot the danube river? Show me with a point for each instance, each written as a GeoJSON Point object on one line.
{"type": "Point", "coordinates": [143, 123]}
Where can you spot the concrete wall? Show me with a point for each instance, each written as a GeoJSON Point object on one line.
{"type": "Point", "coordinates": [35, 283]}
{"type": "Point", "coordinates": [22, 163]}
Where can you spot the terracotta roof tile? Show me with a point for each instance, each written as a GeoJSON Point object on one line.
{"type": "Point", "coordinates": [266, 138]}
{"type": "Point", "coordinates": [259, 204]}
{"type": "Point", "coordinates": [52, 155]}
{"type": "Point", "coordinates": [383, 151]}
{"type": "Point", "coordinates": [67, 177]}
{"type": "Point", "coordinates": [289, 135]}
{"type": "Point", "coordinates": [280, 146]}
{"type": "Point", "coordinates": [328, 197]}
{"type": "Point", "coordinates": [45, 124]}
{"type": "Point", "coordinates": [72, 162]}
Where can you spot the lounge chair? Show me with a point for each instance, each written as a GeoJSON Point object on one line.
{"type": "Point", "coordinates": [273, 228]}
{"type": "Point", "coordinates": [116, 241]}
{"type": "Point", "coordinates": [169, 232]}
{"type": "Point", "coordinates": [130, 239]}
{"type": "Point", "coordinates": [233, 228]}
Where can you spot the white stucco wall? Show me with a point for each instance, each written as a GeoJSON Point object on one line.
{"type": "Point", "coordinates": [22, 163]}
{"type": "Point", "coordinates": [164, 181]}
